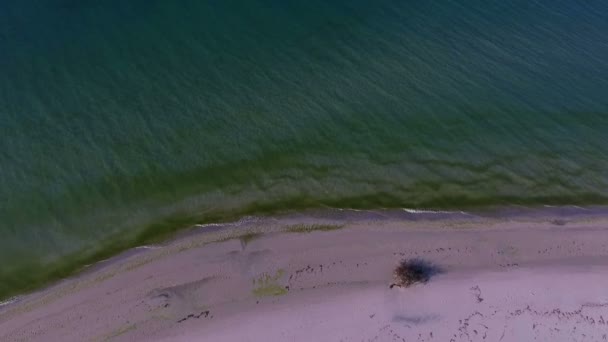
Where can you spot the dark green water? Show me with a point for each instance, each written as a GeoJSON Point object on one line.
{"type": "Point", "coordinates": [123, 120]}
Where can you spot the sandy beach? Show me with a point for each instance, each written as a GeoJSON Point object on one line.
{"type": "Point", "coordinates": [318, 278]}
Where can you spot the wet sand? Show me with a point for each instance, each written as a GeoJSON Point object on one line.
{"type": "Point", "coordinates": [313, 278]}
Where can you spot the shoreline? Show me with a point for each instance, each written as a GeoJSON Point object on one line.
{"type": "Point", "coordinates": [84, 261]}
{"type": "Point", "coordinates": [357, 237]}
{"type": "Point", "coordinates": [338, 216]}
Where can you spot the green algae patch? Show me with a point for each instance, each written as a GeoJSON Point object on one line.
{"type": "Point", "coordinates": [307, 228]}
{"type": "Point", "coordinates": [267, 285]}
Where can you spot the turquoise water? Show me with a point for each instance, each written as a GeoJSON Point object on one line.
{"type": "Point", "coordinates": [124, 120]}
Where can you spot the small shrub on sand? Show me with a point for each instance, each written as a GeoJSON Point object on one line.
{"type": "Point", "coordinates": [410, 272]}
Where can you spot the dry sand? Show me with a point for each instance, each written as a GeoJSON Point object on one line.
{"type": "Point", "coordinates": [502, 279]}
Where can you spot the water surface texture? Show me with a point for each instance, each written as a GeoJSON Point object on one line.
{"type": "Point", "coordinates": [123, 120]}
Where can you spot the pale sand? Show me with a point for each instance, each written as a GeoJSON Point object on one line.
{"type": "Point", "coordinates": [516, 279]}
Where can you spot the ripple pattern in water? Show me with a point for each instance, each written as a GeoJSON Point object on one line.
{"type": "Point", "coordinates": [121, 121]}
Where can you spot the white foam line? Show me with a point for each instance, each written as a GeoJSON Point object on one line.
{"type": "Point", "coordinates": [148, 247]}
{"type": "Point", "coordinates": [425, 211]}
{"type": "Point", "coordinates": [212, 225]}
{"type": "Point", "coordinates": [350, 209]}
{"type": "Point", "coordinates": [9, 301]}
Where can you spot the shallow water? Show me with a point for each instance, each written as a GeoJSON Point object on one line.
{"type": "Point", "coordinates": [121, 121]}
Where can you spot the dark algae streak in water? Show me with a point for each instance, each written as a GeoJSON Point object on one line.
{"type": "Point", "coordinates": [122, 121]}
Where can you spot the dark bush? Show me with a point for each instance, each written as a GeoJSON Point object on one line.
{"type": "Point", "coordinates": [413, 271]}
